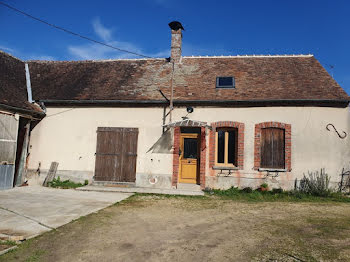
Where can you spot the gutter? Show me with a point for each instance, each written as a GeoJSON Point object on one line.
{"type": "Point", "coordinates": [104, 102]}
{"type": "Point", "coordinates": [247, 103]}
{"type": "Point", "coordinates": [264, 102]}
{"type": "Point", "coordinates": [14, 109]}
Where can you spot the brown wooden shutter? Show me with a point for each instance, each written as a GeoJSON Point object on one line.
{"type": "Point", "coordinates": [116, 153]}
{"type": "Point", "coordinates": [278, 148]}
{"type": "Point", "coordinates": [272, 148]}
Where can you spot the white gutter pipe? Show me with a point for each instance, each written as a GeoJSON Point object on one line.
{"type": "Point", "coordinates": [29, 86]}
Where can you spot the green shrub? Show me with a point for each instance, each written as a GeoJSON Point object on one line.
{"type": "Point", "coordinates": [57, 183]}
{"type": "Point", "coordinates": [316, 184]}
{"type": "Point", "coordinates": [247, 190]}
{"type": "Point", "coordinates": [264, 185]}
{"type": "Point", "coordinates": [277, 191]}
{"type": "Point", "coordinates": [229, 192]}
{"type": "Point", "coordinates": [86, 182]}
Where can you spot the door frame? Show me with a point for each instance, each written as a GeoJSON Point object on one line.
{"type": "Point", "coordinates": [203, 156]}
{"type": "Point", "coordinates": [181, 152]}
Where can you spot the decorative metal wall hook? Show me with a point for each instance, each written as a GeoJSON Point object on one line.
{"type": "Point", "coordinates": [340, 136]}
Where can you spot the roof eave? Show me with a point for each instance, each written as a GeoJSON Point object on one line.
{"type": "Point", "coordinates": [234, 103]}
{"type": "Point", "coordinates": [25, 112]}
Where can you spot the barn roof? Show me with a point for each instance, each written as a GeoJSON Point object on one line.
{"type": "Point", "coordinates": [13, 89]}
{"type": "Point", "coordinates": [257, 78]}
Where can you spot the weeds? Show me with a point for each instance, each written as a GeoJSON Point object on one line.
{"type": "Point", "coordinates": [8, 243]}
{"type": "Point", "coordinates": [36, 256]}
{"type": "Point", "coordinates": [57, 183]}
{"type": "Point", "coordinates": [277, 194]}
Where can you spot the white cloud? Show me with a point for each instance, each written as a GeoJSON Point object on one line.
{"type": "Point", "coordinates": [96, 51]}
{"type": "Point", "coordinates": [104, 33]}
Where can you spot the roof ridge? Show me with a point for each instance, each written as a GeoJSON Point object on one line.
{"type": "Point", "coordinates": [158, 58]}
{"type": "Point", "coordinates": [249, 56]}
{"type": "Point", "coordinates": [97, 61]}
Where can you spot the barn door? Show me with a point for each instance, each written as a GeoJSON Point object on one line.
{"type": "Point", "coordinates": [8, 142]}
{"type": "Point", "coordinates": [116, 153]}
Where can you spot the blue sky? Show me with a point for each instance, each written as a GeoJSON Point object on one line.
{"type": "Point", "coordinates": [212, 27]}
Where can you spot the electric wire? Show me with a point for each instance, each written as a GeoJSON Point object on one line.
{"type": "Point", "coordinates": [71, 32]}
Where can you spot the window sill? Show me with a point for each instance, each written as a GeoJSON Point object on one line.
{"type": "Point", "coordinates": [225, 168]}
{"type": "Point", "coordinates": [273, 169]}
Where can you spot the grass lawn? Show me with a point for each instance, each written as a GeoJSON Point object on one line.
{"type": "Point", "coordinates": [217, 227]}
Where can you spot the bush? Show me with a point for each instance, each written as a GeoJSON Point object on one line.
{"type": "Point", "coordinates": [317, 184]}
{"type": "Point", "coordinates": [264, 185]}
{"type": "Point", "coordinates": [233, 191]}
{"type": "Point", "coordinates": [277, 191]}
{"type": "Point", "coordinates": [57, 183]}
{"type": "Point", "coordinates": [247, 190]}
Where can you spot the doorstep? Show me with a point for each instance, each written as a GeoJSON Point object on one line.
{"type": "Point", "coordinates": [141, 190]}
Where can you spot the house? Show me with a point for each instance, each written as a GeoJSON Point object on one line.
{"type": "Point", "coordinates": [214, 122]}
{"type": "Point", "coordinates": [17, 117]}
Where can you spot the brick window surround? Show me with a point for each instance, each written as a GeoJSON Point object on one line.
{"type": "Point", "coordinates": [240, 149]}
{"type": "Point", "coordinates": [287, 143]}
{"type": "Point", "coordinates": [203, 149]}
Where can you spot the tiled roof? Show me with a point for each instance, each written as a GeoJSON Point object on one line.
{"type": "Point", "coordinates": [13, 89]}
{"type": "Point", "coordinates": [299, 77]}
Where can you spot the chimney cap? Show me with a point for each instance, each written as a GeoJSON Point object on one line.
{"type": "Point", "coordinates": [175, 25]}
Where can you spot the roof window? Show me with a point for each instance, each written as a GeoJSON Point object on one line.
{"type": "Point", "coordinates": [225, 82]}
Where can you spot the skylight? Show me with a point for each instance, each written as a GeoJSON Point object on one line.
{"type": "Point", "coordinates": [225, 82]}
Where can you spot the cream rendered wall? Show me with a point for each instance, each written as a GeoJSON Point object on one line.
{"type": "Point", "coordinates": [313, 147]}
{"type": "Point", "coordinates": [69, 137]}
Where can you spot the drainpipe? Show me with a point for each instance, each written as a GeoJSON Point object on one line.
{"type": "Point", "coordinates": [172, 92]}
{"type": "Point", "coordinates": [29, 87]}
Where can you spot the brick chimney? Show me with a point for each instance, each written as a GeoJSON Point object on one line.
{"type": "Point", "coordinates": [176, 41]}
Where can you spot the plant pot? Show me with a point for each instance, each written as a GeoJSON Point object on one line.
{"type": "Point", "coordinates": [264, 189]}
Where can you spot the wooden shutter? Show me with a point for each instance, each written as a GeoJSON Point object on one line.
{"type": "Point", "coordinates": [116, 153]}
{"type": "Point", "coordinates": [272, 148]}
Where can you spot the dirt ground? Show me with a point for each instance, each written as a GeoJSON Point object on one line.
{"type": "Point", "coordinates": [153, 228]}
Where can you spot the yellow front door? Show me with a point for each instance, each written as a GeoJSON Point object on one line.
{"type": "Point", "coordinates": [188, 158]}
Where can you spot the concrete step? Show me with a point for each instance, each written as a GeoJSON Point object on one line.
{"type": "Point", "coordinates": [190, 187]}
{"type": "Point", "coordinates": [141, 190]}
{"type": "Point", "coordinates": [113, 184]}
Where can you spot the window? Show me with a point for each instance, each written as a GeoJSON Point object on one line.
{"type": "Point", "coordinates": [190, 148]}
{"type": "Point", "coordinates": [225, 82]}
{"type": "Point", "coordinates": [272, 148]}
{"type": "Point", "coordinates": [226, 146]}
